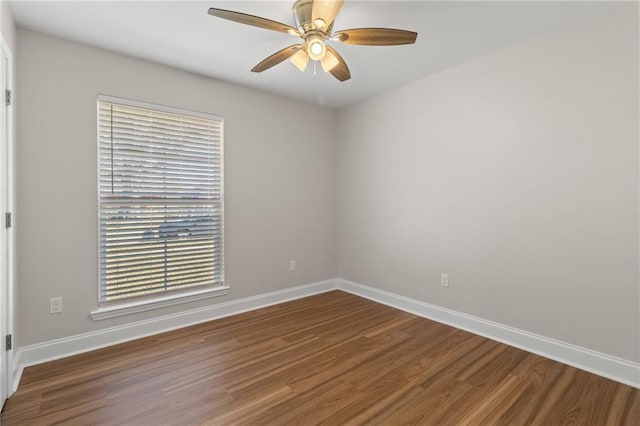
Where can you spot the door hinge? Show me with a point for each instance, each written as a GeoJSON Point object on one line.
{"type": "Point", "coordinates": [8, 220]}
{"type": "Point", "coordinates": [7, 97]}
{"type": "Point", "coordinates": [9, 342]}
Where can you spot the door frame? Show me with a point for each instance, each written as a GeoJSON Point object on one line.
{"type": "Point", "coordinates": [9, 160]}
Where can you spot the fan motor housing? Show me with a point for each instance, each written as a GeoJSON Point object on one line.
{"type": "Point", "coordinates": [302, 13]}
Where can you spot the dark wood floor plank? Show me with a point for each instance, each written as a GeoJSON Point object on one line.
{"type": "Point", "coordinates": [541, 375]}
{"type": "Point", "coordinates": [333, 358]}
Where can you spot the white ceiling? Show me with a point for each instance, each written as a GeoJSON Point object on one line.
{"type": "Point", "coordinates": [182, 35]}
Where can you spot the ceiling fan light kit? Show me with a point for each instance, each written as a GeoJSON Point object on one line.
{"type": "Point", "coordinates": [314, 20]}
{"type": "Point", "coordinates": [300, 59]}
{"type": "Point", "coordinates": [315, 46]}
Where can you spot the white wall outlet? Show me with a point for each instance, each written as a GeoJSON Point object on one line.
{"type": "Point", "coordinates": [292, 265]}
{"type": "Point", "coordinates": [444, 280]}
{"type": "Point", "coordinates": [55, 305]}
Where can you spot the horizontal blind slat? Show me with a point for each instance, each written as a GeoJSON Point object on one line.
{"type": "Point", "coordinates": [141, 259]}
{"type": "Point", "coordinates": [160, 279]}
{"type": "Point", "coordinates": [159, 290]}
{"type": "Point", "coordinates": [148, 115]}
{"type": "Point", "coordinates": [159, 273]}
{"type": "Point", "coordinates": [162, 139]}
{"type": "Point", "coordinates": [129, 267]}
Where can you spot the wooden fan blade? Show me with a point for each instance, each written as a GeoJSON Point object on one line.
{"type": "Point", "coordinates": [376, 36]}
{"type": "Point", "coordinates": [327, 10]}
{"type": "Point", "coordinates": [255, 21]}
{"type": "Point", "coordinates": [277, 57]}
{"type": "Point", "coordinates": [341, 70]}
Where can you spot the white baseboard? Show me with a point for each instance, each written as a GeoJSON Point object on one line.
{"type": "Point", "coordinates": [73, 345]}
{"type": "Point", "coordinates": [608, 366]}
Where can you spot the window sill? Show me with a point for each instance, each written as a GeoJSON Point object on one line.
{"type": "Point", "coordinates": [128, 308]}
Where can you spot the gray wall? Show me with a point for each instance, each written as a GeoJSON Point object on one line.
{"type": "Point", "coordinates": [279, 180]}
{"type": "Point", "coordinates": [517, 174]}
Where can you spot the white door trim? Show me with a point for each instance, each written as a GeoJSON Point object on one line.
{"type": "Point", "coordinates": [10, 203]}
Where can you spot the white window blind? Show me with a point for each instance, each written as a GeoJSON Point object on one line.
{"type": "Point", "coordinates": [160, 200]}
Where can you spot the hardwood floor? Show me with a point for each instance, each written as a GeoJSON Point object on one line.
{"type": "Point", "coordinates": [333, 358]}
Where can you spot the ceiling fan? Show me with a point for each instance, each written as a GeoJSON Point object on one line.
{"type": "Point", "coordinates": [314, 22]}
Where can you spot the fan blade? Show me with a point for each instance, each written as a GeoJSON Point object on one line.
{"type": "Point", "coordinates": [327, 10]}
{"type": "Point", "coordinates": [277, 57]}
{"type": "Point", "coordinates": [341, 70]}
{"type": "Point", "coordinates": [376, 36]}
{"type": "Point", "coordinates": [255, 21]}
{"type": "Point", "coordinates": [300, 59]}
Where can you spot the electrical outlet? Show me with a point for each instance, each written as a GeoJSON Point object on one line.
{"type": "Point", "coordinates": [55, 305]}
{"type": "Point", "coordinates": [444, 280]}
{"type": "Point", "coordinates": [292, 265]}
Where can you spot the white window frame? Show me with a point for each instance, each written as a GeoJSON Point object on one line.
{"type": "Point", "coordinates": [107, 310]}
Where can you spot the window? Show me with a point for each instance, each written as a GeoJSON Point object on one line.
{"type": "Point", "coordinates": [160, 184]}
